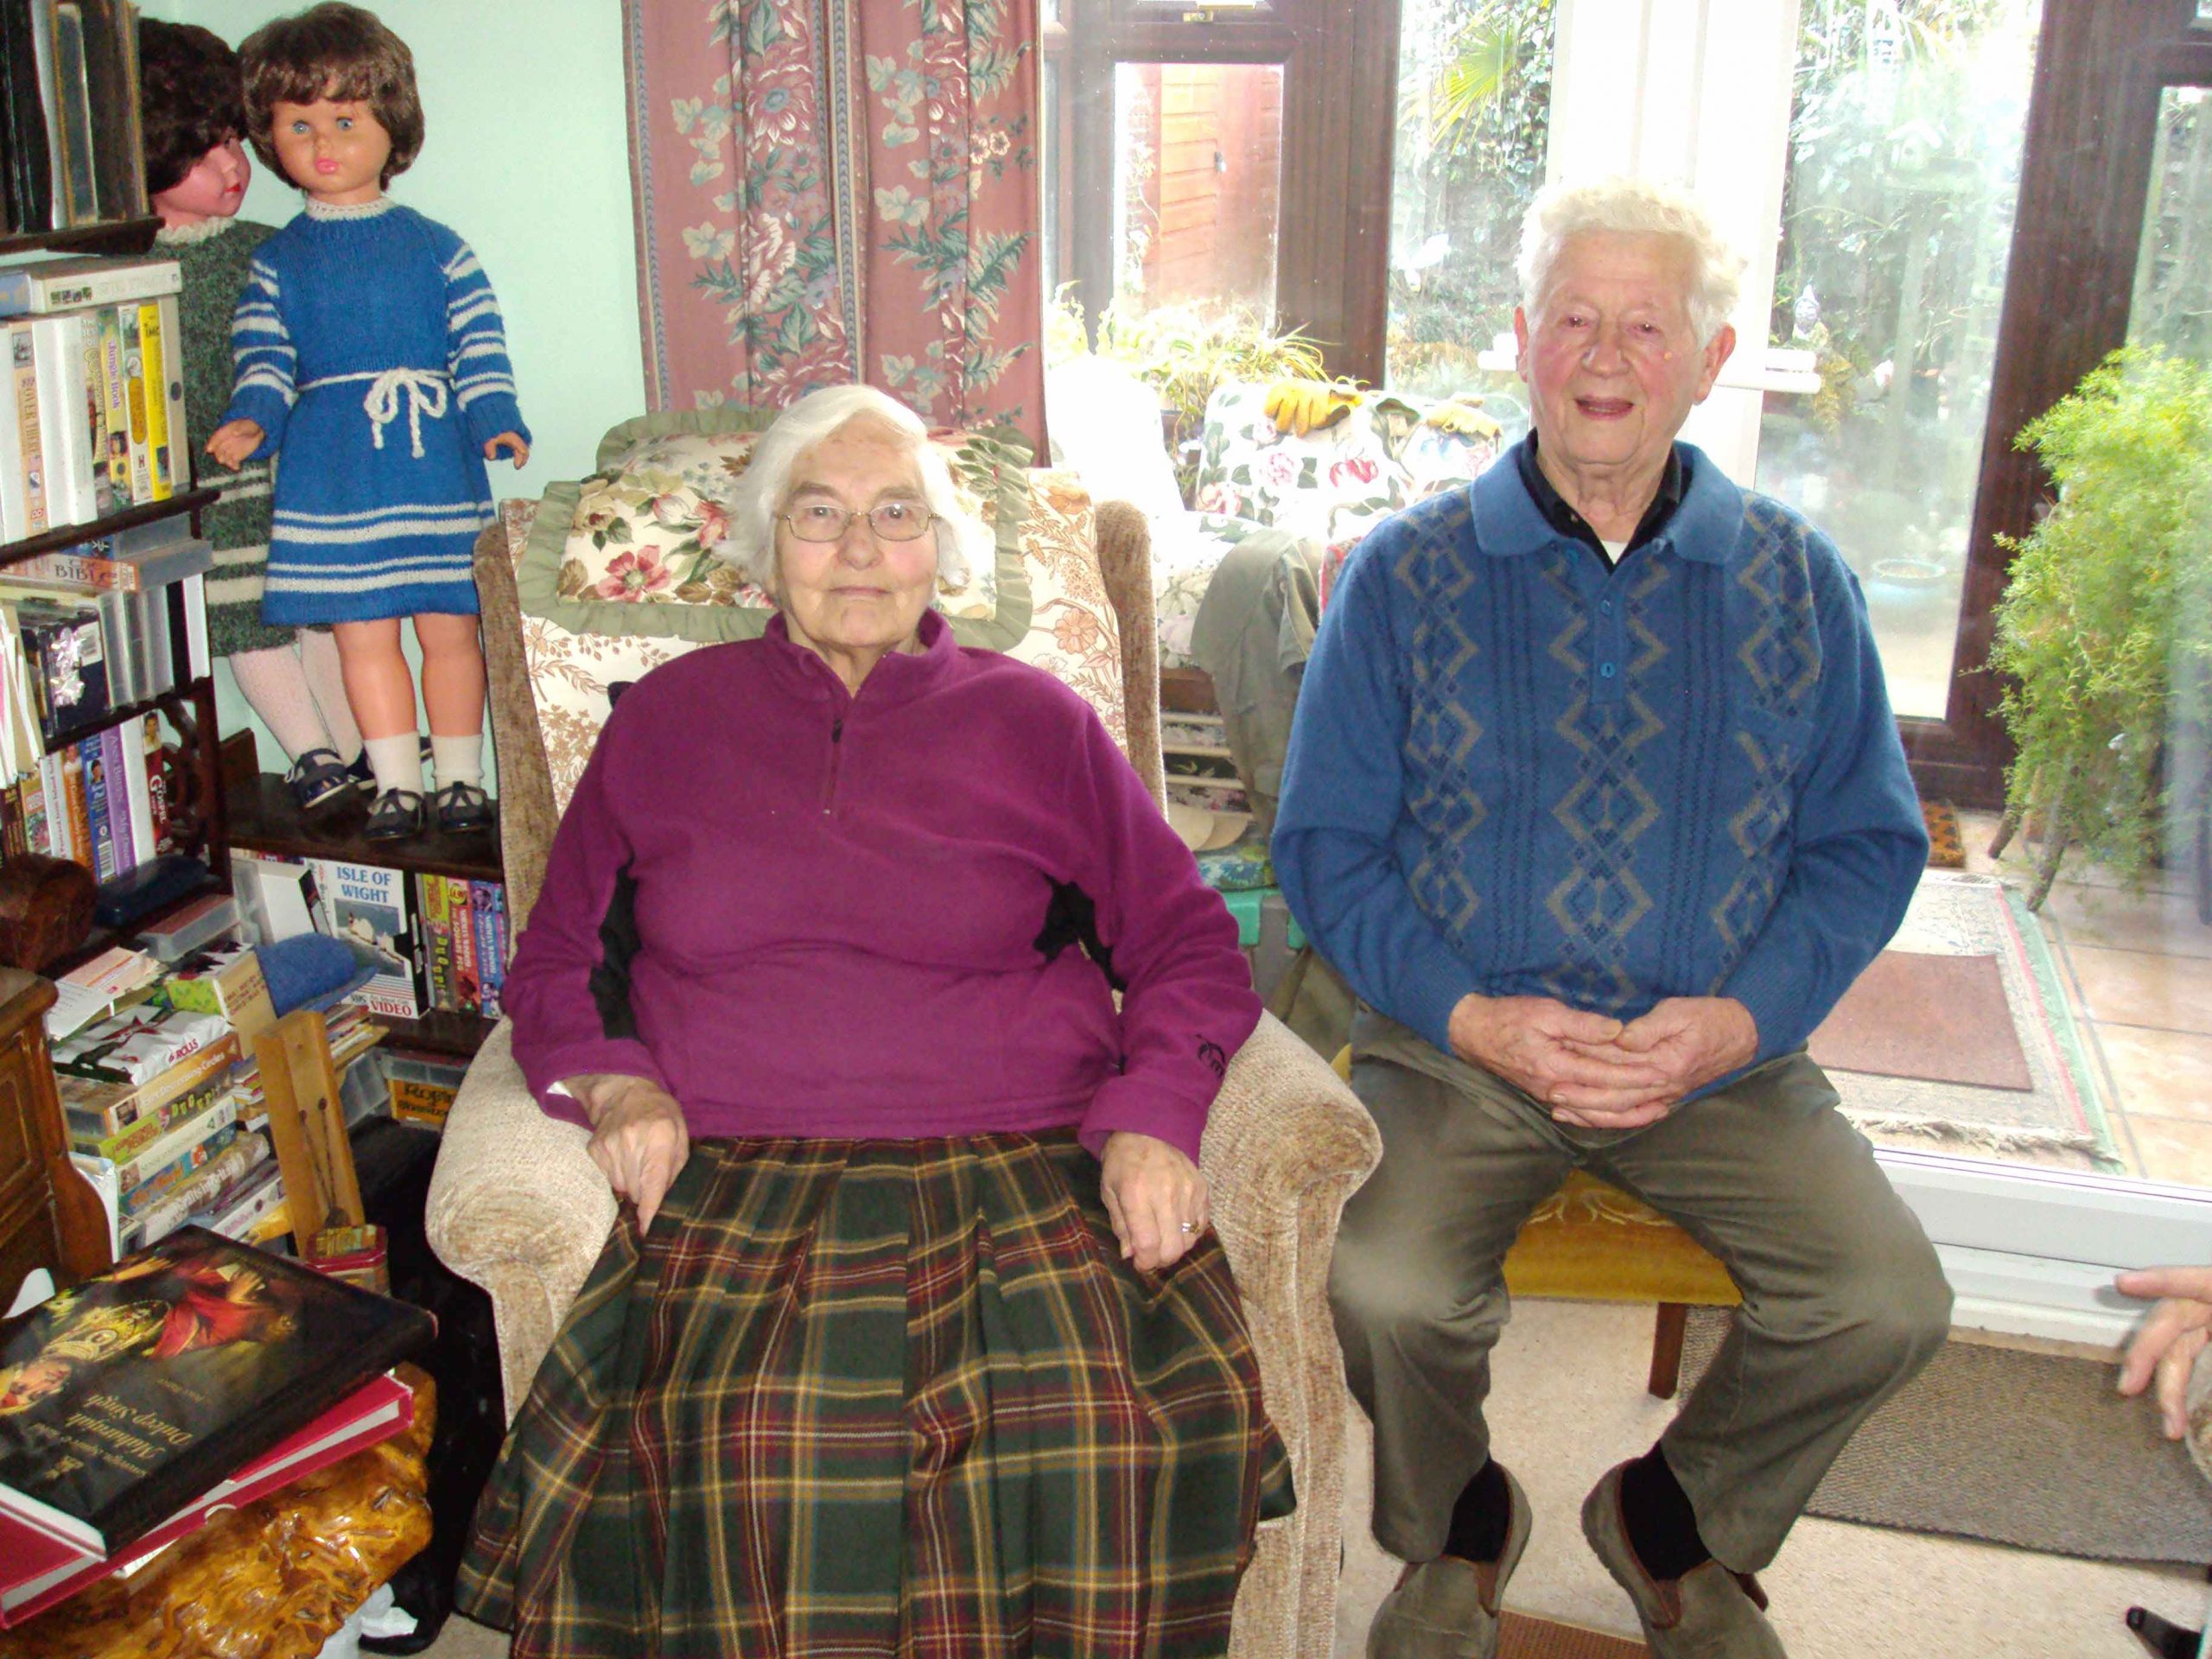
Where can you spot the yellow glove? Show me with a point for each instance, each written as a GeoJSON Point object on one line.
{"type": "Point", "coordinates": [1463, 418]}
{"type": "Point", "coordinates": [1298, 407]}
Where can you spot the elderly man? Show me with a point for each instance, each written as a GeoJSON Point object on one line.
{"type": "Point", "coordinates": [1595, 797]}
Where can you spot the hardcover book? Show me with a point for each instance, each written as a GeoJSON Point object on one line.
{"type": "Point", "coordinates": [96, 1110]}
{"type": "Point", "coordinates": [191, 1375]}
{"type": "Point", "coordinates": [124, 1399]}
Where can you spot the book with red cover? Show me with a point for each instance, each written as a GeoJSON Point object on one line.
{"type": "Point", "coordinates": [37, 1570]}
{"type": "Point", "coordinates": [125, 1398]}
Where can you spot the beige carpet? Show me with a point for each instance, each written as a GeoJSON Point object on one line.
{"type": "Point", "coordinates": [1570, 1403]}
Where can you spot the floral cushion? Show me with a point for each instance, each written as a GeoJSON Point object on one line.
{"type": "Point", "coordinates": [639, 534]}
{"type": "Point", "coordinates": [1336, 484]}
{"type": "Point", "coordinates": [1069, 629]}
{"type": "Point", "coordinates": [1331, 486]}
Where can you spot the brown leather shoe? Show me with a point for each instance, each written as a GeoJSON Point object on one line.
{"type": "Point", "coordinates": [1450, 1608]}
{"type": "Point", "coordinates": [1707, 1613]}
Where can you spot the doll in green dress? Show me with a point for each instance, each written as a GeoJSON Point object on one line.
{"type": "Point", "coordinates": [196, 172]}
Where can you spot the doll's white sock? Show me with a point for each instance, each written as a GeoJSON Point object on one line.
{"type": "Point", "coordinates": [327, 680]}
{"type": "Point", "coordinates": [271, 682]}
{"type": "Point", "coordinates": [396, 761]}
{"type": "Point", "coordinates": [458, 759]}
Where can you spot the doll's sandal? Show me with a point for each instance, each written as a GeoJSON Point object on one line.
{"type": "Point", "coordinates": [318, 777]}
{"type": "Point", "coordinates": [461, 808]}
{"type": "Point", "coordinates": [394, 814]}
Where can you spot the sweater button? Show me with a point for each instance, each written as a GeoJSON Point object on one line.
{"type": "Point", "coordinates": [1604, 607]}
{"type": "Point", "coordinates": [1604, 670]}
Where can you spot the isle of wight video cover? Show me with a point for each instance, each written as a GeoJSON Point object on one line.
{"type": "Point", "coordinates": [125, 1397]}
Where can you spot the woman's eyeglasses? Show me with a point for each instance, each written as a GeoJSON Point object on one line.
{"type": "Point", "coordinates": [894, 521]}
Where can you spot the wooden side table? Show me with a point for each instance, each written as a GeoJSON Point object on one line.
{"type": "Point", "coordinates": [50, 1216]}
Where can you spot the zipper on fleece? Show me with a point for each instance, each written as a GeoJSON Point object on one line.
{"type": "Point", "coordinates": [830, 775]}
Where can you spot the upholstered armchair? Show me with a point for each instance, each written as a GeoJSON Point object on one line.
{"type": "Point", "coordinates": [517, 1207]}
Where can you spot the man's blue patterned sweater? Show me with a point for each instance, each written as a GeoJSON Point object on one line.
{"type": "Point", "coordinates": [1517, 773]}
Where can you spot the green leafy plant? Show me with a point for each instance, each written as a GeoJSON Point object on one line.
{"type": "Point", "coordinates": [2103, 630]}
{"type": "Point", "coordinates": [1183, 355]}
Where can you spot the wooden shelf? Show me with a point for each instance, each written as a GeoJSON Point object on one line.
{"type": "Point", "coordinates": [101, 938]}
{"type": "Point", "coordinates": [265, 818]}
{"type": "Point", "coordinates": [68, 536]}
{"type": "Point", "coordinates": [440, 1032]}
{"type": "Point", "coordinates": [120, 236]}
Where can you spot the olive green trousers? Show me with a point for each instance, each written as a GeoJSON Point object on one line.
{"type": "Point", "coordinates": [1843, 1297]}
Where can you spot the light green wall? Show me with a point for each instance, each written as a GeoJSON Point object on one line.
{"type": "Point", "coordinates": [526, 154]}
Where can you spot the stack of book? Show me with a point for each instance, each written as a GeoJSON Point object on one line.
{"type": "Point", "coordinates": [148, 1102]}
{"type": "Point", "coordinates": [93, 420]}
{"type": "Point", "coordinates": [86, 637]}
{"type": "Point", "coordinates": [196, 1375]}
{"type": "Point", "coordinates": [70, 138]}
{"type": "Point", "coordinates": [434, 942]}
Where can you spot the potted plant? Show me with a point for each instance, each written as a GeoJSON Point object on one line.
{"type": "Point", "coordinates": [1183, 355]}
{"type": "Point", "coordinates": [2103, 632]}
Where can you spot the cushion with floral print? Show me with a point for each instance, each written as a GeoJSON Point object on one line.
{"type": "Point", "coordinates": [1334, 485]}
{"type": "Point", "coordinates": [1070, 629]}
{"type": "Point", "coordinates": [641, 534]}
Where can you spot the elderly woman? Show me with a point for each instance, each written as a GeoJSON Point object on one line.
{"type": "Point", "coordinates": [921, 1344]}
{"type": "Point", "coordinates": [1595, 797]}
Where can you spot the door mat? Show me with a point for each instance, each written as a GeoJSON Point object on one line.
{"type": "Point", "coordinates": [1940, 1019]}
{"type": "Point", "coordinates": [1947, 846]}
{"type": "Point", "coordinates": [1521, 1638]}
{"type": "Point", "coordinates": [2058, 1117]}
{"type": "Point", "coordinates": [2034, 1450]}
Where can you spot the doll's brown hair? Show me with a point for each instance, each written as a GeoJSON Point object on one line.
{"type": "Point", "coordinates": [190, 99]}
{"type": "Point", "coordinates": [339, 52]}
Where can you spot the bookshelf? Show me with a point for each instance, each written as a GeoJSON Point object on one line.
{"type": "Point", "coordinates": [198, 816]}
{"type": "Point", "coordinates": [120, 236]}
{"type": "Point", "coordinates": [262, 817]}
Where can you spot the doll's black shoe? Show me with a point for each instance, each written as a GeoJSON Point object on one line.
{"type": "Point", "coordinates": [461, 807]}
{"type": "Point", "coordinates": [318, 777]}
{"type": "Point", "coordinates": [394, 814]}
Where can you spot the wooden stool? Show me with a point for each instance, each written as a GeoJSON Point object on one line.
{"type": "Point", "coordinates": [1590, 1241]}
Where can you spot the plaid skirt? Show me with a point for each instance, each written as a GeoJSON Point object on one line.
{"type": "Point", "coordinates": [878, 1398]}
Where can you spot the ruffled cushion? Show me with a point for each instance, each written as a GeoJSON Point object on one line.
{"type": "Point", "coordinates": [629, 551]}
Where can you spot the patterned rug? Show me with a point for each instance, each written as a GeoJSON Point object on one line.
{"type": "Point", "coordinates": [2059, 1114]}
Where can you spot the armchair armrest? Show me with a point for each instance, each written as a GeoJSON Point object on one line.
{"type": "Point", "coordinates": [1285, 1144]}
{"type": "Point", "coordinates": [516, 1206]}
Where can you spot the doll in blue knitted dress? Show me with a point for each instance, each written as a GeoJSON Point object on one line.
{"type": "Point", "coordinates": [371, 359]}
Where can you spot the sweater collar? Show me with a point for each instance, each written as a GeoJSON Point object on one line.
{"type": "Point", "coordinates": [898, 677]}
{"type": "Point", "coordinates": [347, 210]}
{"type": "Point", "coordinates": [1707, 526]}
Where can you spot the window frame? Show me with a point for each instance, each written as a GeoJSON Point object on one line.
{"type": "Point", "coordinates": [2085, 176]}
{"type": "Point", "coordinates": [1338, 57]}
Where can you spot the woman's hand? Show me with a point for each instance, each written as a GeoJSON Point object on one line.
{"type": "Point", "coordinates": [1155, 1198]}
{"type": "Point", "coordinates": [2166, 1347]}
{"type": "Point", "coordinates": [638, 1137]}
{"type": "Point", "coordinates": [233, 440]}
{"type": "Point", "coordinates": [511, 442]}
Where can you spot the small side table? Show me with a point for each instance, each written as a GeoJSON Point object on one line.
{"type": "Point", "coordinates": [1280, 953]}
{"type": "Point", "coordinates": [50, 1216]}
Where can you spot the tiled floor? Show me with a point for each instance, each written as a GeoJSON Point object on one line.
{"type": "Point", "coordinates": [2137, 971]}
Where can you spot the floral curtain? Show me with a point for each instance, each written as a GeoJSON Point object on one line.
{"type": "Point", "coordinates": [839, 190]}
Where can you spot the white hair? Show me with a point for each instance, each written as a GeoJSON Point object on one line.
{"type": "Point", "coordinates": [760, 495]}
{"type": "Point", "coordinates": [1629, 206]}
